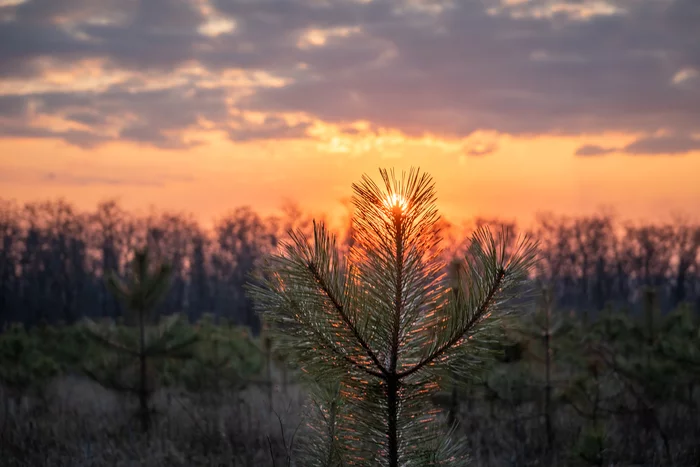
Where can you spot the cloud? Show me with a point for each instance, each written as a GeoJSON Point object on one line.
{"type": "Point", "coordinates": [82, 139]}
{"type": "Point", "coordinates": [271, 128]}
{"type": "Point", "coordinates": [13, 107]}
{"type": "Point", "coordinates": [445, 68]}
{"type": "Point", "coordinates": [67, 179]}
{"type": "Point", "coordinates": [157, 117]}
{"type": "Point", "coordinates": [155, 180]}
{"type": "Point", "coordinates": [670, 144]}
{"type": "Point", "coordinates": [88, 175]}
{"type": "Point", "coordinates": [593, 150]}
{"type": "Point", "coordinates": [465, 69]}
{"type": "Point", "coordinates": [480, 149]}
{"type": "Point", "coordinates": [28, 175]}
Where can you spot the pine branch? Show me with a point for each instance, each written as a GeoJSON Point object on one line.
{"type": "Point", "coordinates": [173, 350]}
{"type": "Point", "coordinates": [323, 341]}
{"type": "Point", "coordinates": [372, 320]}
{"type": "Point", "coordinates": [93, 334]}
{"type": "Point", "coordinates": [109, 381]}
{"type": "Point", "coordinates": [262, 293]}
{"type": "Point", "coordinates": [480, 313]}
{"type": "Point", "coordinates": [341, 311]}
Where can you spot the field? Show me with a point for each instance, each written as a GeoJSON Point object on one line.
{"type": "Point", "coordinates": [632, 411]}
{"type": "Point", "coordinates": [603, 372]}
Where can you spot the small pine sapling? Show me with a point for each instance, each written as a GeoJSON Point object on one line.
{"type": "Point", "coordinates": [25, 365]}
{"type": "Point", "coordinates": [144, 340]}
{"type": "Point", "coordinates": [542, 329]}
{"type": "Point", "coordinates": [382, 321]}
{"type": "Point", "coordinates": [223, 359]}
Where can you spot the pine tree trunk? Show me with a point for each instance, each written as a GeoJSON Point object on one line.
{"type": "Point", "coordinates": [268, 373]}
{"type": "Point", "coordinates": [392, 399]}
{"type": "Point", "coordinates": [331, 433]}
{"type": "Point", "coordinates": [594, 416]}
{"type": "Point", "coordinates": [454, 404]}
{"type": "Point", "coordinates": [143, 395]}
{"type": "Point", "coordinates": [548, 383]}
{"type": "Point", "coordinates": [392, 380]}
{"type": "Point", "coordinates": [285, 378]}
{"type": "Point", "coordinates": [143, 388]}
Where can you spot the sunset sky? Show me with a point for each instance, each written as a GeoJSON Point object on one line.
{"type": "Point", "coordinates": [514, 106]}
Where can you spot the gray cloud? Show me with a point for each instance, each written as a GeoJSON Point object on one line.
{"type": "Point", "coordinates": [472, 66]}
{"type": "Point", "coordinates": [465, 70]}
{"type": "Point", "coordinates": [20, 175]}
{"type": "Point", "coordinates": [481, 150]}
{"type": "Point", "coordinates": [664, 145]}
{"type": "Point", "coordinates": [68, 179]}
{"type": "Point", "coordinates": [77, 180]}
{"type": "Point", "coordinates": [137, 34]}
{"type": "Point", "coordinates": [83, 139]}
{"type": "Point", "coordinates": [272, 128]}
{"type": "Point", "coordinates": [13, 107]}
{"type": "Point", "coordinates": [156, 117]}
{"type": "Point", "coordinates": [673, 144]}
{"type": "Point", "coordinates": [593, 150]}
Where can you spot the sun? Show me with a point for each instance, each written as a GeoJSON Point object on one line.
{"type": "Point", "coordinates": [396, 201]}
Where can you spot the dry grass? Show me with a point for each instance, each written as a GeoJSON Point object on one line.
{"type": "Point", "coordinates": [79, 424]}
{"type": "Point", "coordinates": [515, 436]}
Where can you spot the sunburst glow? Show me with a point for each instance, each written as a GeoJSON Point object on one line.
{"type": "Point", "coordinates": [396, 201]}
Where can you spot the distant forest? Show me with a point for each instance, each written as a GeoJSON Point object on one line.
{"type": "Point", "coordinates": [53, 259]}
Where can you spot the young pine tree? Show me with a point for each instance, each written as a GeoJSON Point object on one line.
{"type": "Point", "coordinates": [138, 346]}
{"type": "Point", "coordinates": [383, 322]}
{"type": "Point", "coordinates": [541, 331]}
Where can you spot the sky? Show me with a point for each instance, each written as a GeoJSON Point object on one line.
{"type": "Point", "coordinates": [514, 106]}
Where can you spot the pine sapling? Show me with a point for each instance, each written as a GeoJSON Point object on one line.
{"type": "Point", "coordinates": [145, 340]}
{"type": "Point", "coordinates": [548, 328]}
{"type": "Point", "coordinates": [383, 321]}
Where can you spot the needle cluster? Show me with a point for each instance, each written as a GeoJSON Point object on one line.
{"type": "Point", "coordinates": [376, 330]}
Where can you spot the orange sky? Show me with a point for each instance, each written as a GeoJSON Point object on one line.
{"type": "Point", "coordinates": [522, 177]}
{"type": "Point", "coordinates": [515, 107]}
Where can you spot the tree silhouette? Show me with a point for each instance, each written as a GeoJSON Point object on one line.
{"type": "Point", "coordinates": [53, 259]}
{"type": "Point", "coordinates": [383, 321]}
{"type": "Point", "coordinates": [146, 287]}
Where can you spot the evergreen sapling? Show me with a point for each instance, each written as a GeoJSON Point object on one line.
{"type": "Point", "coordinates": [384, 323]}
{"type": "Point", "coordinates": [138, 346]}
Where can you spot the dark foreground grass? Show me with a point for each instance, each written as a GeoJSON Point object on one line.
{"type": "Point", "coordinates": [80, 424]}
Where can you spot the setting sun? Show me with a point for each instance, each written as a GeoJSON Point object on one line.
{"type": "Point", "coordinates": [396, 201]}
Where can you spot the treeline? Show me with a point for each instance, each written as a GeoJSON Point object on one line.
{"type": "Point", "coordinates": [53, 259]}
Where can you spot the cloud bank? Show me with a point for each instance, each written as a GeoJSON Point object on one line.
{"type": "Point", "coordinates": [671, 144]}
{"type": "Point", "coordinates": [160, 72]}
